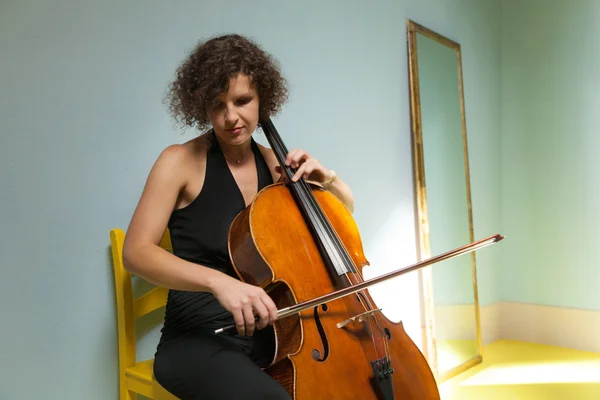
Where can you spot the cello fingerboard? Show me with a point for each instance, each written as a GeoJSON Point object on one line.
{"type": "Point", "coordinates": [332, 250]}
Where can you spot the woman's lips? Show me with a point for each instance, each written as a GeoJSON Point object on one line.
{"type": "Point", "coordinates": [235, 131]}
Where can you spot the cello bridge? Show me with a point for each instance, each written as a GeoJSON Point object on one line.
{"type": "Point", "coordinates": [360, 318]}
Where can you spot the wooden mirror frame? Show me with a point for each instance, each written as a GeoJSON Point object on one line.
{"type": "Point", "coordinates": [422, 220]}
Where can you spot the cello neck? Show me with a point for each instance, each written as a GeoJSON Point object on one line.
{"type": "Point", "coordinates": [277, 145]}
{"type": "Point", "coordinates": [334, 255]}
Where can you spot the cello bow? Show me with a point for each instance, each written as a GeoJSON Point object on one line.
{"type": "Point", "coordinates": [296, 308]}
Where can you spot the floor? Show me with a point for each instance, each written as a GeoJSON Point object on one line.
{"type": "Point", "coordinates": [455, 352]}
{"type": "Point", "coordinates": [527, 371]}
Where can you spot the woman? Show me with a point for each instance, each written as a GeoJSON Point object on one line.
{"type": "Point", "coordinates": [196, 189]}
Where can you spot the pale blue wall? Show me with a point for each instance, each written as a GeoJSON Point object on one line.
{"type": "Point", "coordinates": [550, 144]}
{"type": "Point", "coordinates": [80, 91]}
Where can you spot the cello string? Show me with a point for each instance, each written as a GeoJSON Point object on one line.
{"type": "Point", "coordinates": [305, 196]}
{"type": "Point", "coordinates": [327, 236]}
{"type": "Point", "coordinates": [380, 342]}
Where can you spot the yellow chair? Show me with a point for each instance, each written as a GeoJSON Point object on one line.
{"type": "Point", "coordinates": [135, 377]}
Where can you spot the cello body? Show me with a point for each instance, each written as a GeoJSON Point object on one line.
{"type": "Point", "coordinates": [322, 353]}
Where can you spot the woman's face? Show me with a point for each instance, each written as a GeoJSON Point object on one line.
{"type": "Point", "coordinates": [235, 116]}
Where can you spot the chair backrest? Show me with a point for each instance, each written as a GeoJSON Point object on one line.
{"type": "Point", "coordinates": [128, 308]}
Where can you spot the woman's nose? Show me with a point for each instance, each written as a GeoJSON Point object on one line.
{"type": "Point", "coordinates": [231, 115]}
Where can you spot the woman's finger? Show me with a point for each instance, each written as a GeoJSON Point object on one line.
{"type": "Point", "coordinates": [299, 173]}
{"type": "Point", "coordinates": [262, 312]}
{"type": "Point", "coordinates": [248, 319]}
{"type": "Point", "coordinates": [271, 307]}
{"type": "Point", "coordinates": [238, 317]}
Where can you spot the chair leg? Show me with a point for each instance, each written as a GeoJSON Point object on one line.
{"type": "Point", "coordinates": [126, 394]}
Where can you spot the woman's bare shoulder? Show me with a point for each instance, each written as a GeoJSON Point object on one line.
{"type": "Point", "coordinates": [182, 154]}
{"type": "Point", "coordinates": [176, 164]}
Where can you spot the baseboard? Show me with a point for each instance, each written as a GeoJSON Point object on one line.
{"type": "Point", "coordinates": [491, 323]}
{"type": "Point", "coordinates": [556, 326]}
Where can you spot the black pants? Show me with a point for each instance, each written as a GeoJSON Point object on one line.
{"type": "Point", "coordinates": [195, 366]}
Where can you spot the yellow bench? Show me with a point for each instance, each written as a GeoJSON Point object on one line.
{"type": "Point", "coordinates": [135, 377]}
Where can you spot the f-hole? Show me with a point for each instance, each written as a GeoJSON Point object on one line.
{"type": "Point", "coordinates": [316, 354]}
{"type": "Point", "coordinates": [387, 333]}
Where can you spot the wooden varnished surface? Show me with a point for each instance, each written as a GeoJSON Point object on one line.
{"type": "Point", "coordinates": [271, 246]}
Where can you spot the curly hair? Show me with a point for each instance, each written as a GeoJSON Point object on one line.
{"type": "Point", "coordinates": [205, 74]}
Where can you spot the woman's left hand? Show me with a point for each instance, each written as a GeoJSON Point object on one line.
{"type": "Point", "coordinates": [307, 167]}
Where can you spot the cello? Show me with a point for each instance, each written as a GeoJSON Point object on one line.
{"type": "Point", "coordinates": [301, 245]}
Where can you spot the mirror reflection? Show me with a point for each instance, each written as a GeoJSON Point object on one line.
{"type": "Point", "coordinates": [443, 191]}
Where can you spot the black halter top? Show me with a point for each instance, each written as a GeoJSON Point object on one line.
{"type": "Point", "coordinates": [199, 234]}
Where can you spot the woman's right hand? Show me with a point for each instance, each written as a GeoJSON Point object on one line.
{"type": "Point", "coordinates": [245, 301]}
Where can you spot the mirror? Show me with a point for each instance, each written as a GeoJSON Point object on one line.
{"type": "Point", "coordinates": [443, 201]}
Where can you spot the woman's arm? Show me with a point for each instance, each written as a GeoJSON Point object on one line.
{"type": "Point", "coordinates": [142, 254]}
{"type": "Point", "coordinates": [340, 189]}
